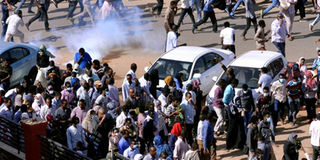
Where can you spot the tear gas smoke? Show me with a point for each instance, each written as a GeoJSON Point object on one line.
{"type": "Point", "coordinates": [128, 31]}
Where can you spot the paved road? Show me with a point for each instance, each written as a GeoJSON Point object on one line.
{"type": "Point", "coordinates": [141, 40]}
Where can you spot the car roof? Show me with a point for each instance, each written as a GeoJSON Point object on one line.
{"type": "Point", "coordinates": [7, 45]}
{"type": "Point", "coordinates": [255, 59]}
{"type": "Point", "coordinates": [186, 53]}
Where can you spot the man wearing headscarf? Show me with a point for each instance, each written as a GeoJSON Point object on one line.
{"type": "Point", "coordinates": [291, 147]}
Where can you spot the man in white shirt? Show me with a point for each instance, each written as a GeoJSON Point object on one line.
{"type": "Point", "coordinates": [185, 8]}
{"type": "Point", "coordinates": [172, 39]}
{"type": "Point", "coordinates": [314, 131]}
{"type": "Point", "coordinates": [181, 147]}
{"type": "Point", "coordinates": [264, 80]}
{"type": "Point", "coordinates": [89, 75]}
{"type": "Point", "coordinates": [279, 94]}
{"type": "Point", "coordinates": [75, 134]}
{"type": "Point", "coordinates": [5, 110]}
{"type": "Point", "coordinates": [126, 86]}
{"type": "Point", "coordinates": [289, 14]}
{"type": "Point", "coordinates": [279, 33]}
{"type": "Point", "coordinates": [122, 118]}
{"type": "Point", "coordinates": [46, 109]}
{"type": "Point", "coordinates": [132, 71]}
{"type": "Point", "coordinates": [131, 151]}
{"type": "Point", "coordinates": [13, 23]}
{"type": "Point", "coordinates": [228, 38]}
{"type": "Point", "coordinates": [189, 110]}
{"type": "Point", "coordinates": [145, 85]}
{"type": "Point", "coordinates": [12, 93]}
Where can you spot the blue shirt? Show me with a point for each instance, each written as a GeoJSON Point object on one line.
{"type": "Point", "coordinates": [208, 7]}
{"type": "Point", "coordinates": [123, 145]}
{"type": "Point", "coordinates": [316, 65]}
{"type": "Point", "coordinates": [17, 116]}
{"type": "Point", "coordinates": [228, 95]}
{"type": "Point", "coordinates": [189, 112]}
{"type": "Point", "coordinates": [86, 59]}
{"type": "Point", "coordinates": [6, 113]}
{"type": "Point", "coordinates": [207, 131]}
{"type": "Point", "coordinates": [178, 87]}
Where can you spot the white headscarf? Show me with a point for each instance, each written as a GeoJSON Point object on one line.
{"type": "Point", "coordinates": [87, 122]}
{"type": "Point", "coordinates": [35, 106]}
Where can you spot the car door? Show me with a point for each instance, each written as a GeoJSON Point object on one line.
{"type": "Point", "coordinates": [200, 68]}
{"type": "Point", "coordinates": [210, 69]}
{"type": "Point", "coordinates": [275, 67]}
{"type": "Point", "coordinates": [20, 66]}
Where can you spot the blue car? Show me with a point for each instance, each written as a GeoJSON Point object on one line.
{"type": "Point", "coordinates": [21, 57]}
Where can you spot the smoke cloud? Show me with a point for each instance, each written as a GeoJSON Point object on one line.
{"type": "Point", "coordinates": [130, 30]}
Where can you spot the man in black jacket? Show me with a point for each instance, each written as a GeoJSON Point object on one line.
{"type": "Point", "coordinates": [247, 104]}
{"type": "Point", "coordinates": [42, 59]}
{"type": "Point", "coordinates": [291, 147]}
{"type": "Point", "coordinates": [106, 124]}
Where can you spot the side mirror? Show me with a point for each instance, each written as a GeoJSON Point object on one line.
{"type": "Point", "coordinates": [146, 69]}
{"type": "Point", "coordinates": [214, 78]}
{"type": "Point", "coordinates": [196, 75]}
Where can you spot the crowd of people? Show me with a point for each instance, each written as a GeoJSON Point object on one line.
{"type": "Point", "coordinates": [84, 110]}
{"type": "Point", "coordinates": [87, 113]}
{"type": "Point", "coordinates": [281, 27]}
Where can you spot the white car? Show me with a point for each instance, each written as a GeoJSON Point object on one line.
{"type": "Point", "coordinates": [193, 62]}
{"type": "Point", "coordinates": [247, 70]}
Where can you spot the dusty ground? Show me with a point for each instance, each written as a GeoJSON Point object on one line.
{"type": "Point", "coordinates": [151, 32]}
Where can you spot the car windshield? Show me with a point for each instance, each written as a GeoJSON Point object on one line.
{"type": "Point", "coordinates": [171, 67]}
{"type": "Point", "coordinates": [249, 76]}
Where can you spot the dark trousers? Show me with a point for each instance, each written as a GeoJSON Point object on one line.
{"type": "Point", "coordinates": [281, 46]}
{"type": "Point", "coordinates": [5, 15]}
{"type": "Point", "coordinates": [232, 48]}
{"type": "Point", "coordinates": [316, 152]}
{"type": "Point", "coordinates": [279, 108]}
{"type": "Point", "coordinates": [246, 120]}
{"type": "Point", "coordinates": [212, 17]}
{"type": "Point", "coordinates": [255, 25]}
{"type": "Point", "coordinates": [158, 7]}
{"type": "Point", "coordinates": [184, 11]}
{"type": "Point", "coordinates": [41, 12]}
{"type": "Point", "coordinates": [189, 133]}
{"type": "Point", "coordinates": [311, 108]}
{"type": "Point", "coordinates": [142, 145]}
{"type": "Point", "coordinates": [72, 8]}
{"type": "Point", "coordinates": [300, 6]}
